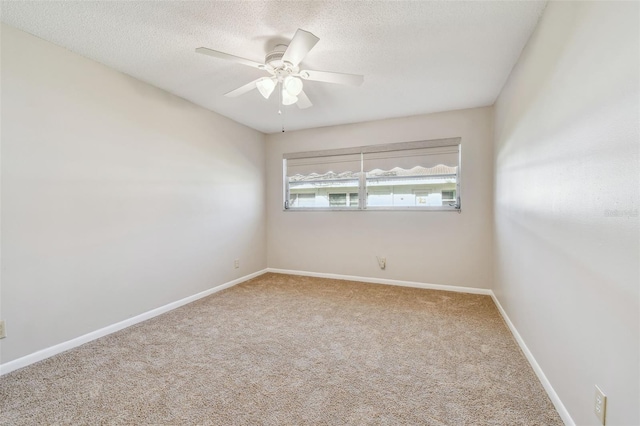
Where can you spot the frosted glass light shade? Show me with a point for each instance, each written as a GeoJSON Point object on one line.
{"type": "Point", "coordinates": [287, 98]}
{"type": "Point", "coordinates": [265, 86]}
{"type": "Point", "coordinates": [293, 85]}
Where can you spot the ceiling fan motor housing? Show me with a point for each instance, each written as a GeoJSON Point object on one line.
{"type": "Point", "coordinates": [274, 60]}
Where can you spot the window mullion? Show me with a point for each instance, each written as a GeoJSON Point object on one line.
{"type": "Point", "coordinates": [286, 184]}
{"type": "Point", "coordinates": [362, 189]}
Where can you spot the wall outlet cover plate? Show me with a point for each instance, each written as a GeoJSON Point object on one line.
{"type": "Point", "coordinates": [600, 405]}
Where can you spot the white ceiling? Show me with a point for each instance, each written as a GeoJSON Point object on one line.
{"type": "Point", "coordinates": [417, 57]}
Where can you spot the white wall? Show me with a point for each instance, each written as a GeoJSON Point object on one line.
{"type": "Point", "coordinates": [428, 247]}
{"type": "Point", "coordinates": [117, 197]}
{"type": "Point", "coordinates": [566, 160]}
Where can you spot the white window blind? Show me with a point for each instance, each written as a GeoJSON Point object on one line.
{"type": "Point", "coordinates": [426, 158]}
{"type": "Point", "coordinates": [337, 164]}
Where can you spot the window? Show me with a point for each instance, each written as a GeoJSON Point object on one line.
{"type": "Point", "coordinates": [353, 199]}
{"type": "Point", "coordinates": [338, 200]}
{"type": "Point", "coordinates": [448, 196]}
{"type": "Point", "coordinates": [421, 175]}
{"type": "Point", "coordinates": [343, 200]}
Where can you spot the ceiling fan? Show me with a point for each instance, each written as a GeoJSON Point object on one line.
{"type": "Point", "coordinates": [283, 65]}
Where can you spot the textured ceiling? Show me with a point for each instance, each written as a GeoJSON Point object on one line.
{"type": "Point", "coordinates": [417, 57]}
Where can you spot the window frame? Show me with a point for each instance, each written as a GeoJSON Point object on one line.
{"type": "Point", "coordinates": [362, 187]}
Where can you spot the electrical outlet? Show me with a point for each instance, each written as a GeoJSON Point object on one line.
{"type": "Point", "coordinates": [236, 263]}
{"type": "Point", "coordinates": [3, 330]}
{"type": "Point", "coordinates": [382, 262]}
{"type": "Point", "coordinates": [600, 407]}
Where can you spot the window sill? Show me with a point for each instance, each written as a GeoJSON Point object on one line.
{"type": "Point", "coordinates": [375, 209]}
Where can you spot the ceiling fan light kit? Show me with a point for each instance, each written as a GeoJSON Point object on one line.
{"type": "Point", "coordinates": [265, 86]}
{"type": "Point", "coordinates": [282, 63]}
{"type": "Point", "coordinates": [293, 85]}
{"type": "Point", "coordinates": [287, 98]}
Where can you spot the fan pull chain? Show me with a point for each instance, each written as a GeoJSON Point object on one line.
{"type": "Point", "coordinates": [279, 100]}
{"type": "Point", "coordinates": [280, 109]}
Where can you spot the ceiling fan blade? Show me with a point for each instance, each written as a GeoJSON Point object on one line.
{"type": "Point", "coordinates": [226, 56]}
{"type": "Point", "coordinates": [242, 89]}
{"type": "Point", "coordinates": [303, 101]}
{"type": "Point", "coordinates": [301, 43]}
{"type": "Point", "coordinates": [332, 77]}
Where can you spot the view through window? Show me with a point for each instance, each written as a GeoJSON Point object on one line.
{"type": "Point", "coordinates": [411, 175]}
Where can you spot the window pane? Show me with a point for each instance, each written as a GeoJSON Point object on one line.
{"type": "Point", "coordinates": [329, 179]}
{"type": "Point", "coordinates": [424, 177]}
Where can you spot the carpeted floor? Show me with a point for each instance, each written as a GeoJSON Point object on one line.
{"type": "Point", "coordinates": [289, 350]}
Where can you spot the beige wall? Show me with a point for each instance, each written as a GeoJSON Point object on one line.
{"type": "Point", "coordinates": [566, 204]}
{"type": "Point", "coordinates": [427, 247]}
{"type": "Point", "coordinates": [117, 197]}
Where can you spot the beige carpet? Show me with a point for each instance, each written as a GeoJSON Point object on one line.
{"type": "Point", "coordinates": [288, 350]}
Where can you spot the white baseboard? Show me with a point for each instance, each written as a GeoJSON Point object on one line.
{"type": "Point", "coordinates": [54, 350]}
{"type": "Point", "coordinates": [562, 411]}
{"type": "Point", "coordinates": [70, 344]}
{"type": "Point", "coordinates": [457, 289]}
{"type": "Point", "coordinates": [555, 399]}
